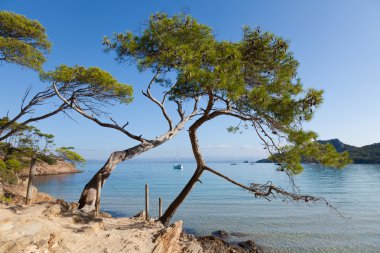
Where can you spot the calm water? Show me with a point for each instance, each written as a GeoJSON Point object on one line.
{"type": "Point", "coordinates": [217, 204]}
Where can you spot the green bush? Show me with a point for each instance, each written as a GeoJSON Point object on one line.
{"type": "Point", "coordinates": [5, 200]}
{"type": "Point", "coordinates": [6, 175]}
{"type": "Point", "coordinates": [14, 165]}
{"type": "Point", "coordinates": [67, 154]}
{"type": "Point", "coordinates": [49, 159]}
{"type": "Point", "coordinates": [3, 166]}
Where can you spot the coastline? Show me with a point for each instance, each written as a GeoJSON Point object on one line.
{"type": "Point", "coordinates": [53, 225]}
{"type": "Point", "coordinates": [44, 169]}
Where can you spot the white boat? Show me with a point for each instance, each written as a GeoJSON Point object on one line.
{"type": "Point", "coordinates": [178, 167]}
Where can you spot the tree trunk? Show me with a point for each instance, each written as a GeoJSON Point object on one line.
{"type": "Point", "coordinates": [166, 217]}
{"type": "Point", "coordinates": [201, 164]}
{"type": "Point", "coordinates": [88, 196]}
{"type": "Point", "coordinates": [32, 172]}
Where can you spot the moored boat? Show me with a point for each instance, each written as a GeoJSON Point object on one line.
{"type": "Point", "coordinates": [178, 167]}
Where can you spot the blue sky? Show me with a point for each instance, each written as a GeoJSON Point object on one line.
{"type": "Point", "coordinates": [336, 42]}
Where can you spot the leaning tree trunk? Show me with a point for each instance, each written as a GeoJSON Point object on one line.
{"type": "Point", "coordinates": [32, 172]}
{"type": "Point", "coordinates": [166, 217]}
{"type": "Point", "coordinates": [88, 196]}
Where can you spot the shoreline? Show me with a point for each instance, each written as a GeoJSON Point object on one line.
{"type": "Point", "coordinates": [53, 225]}
{"type": "Point", "coordinates": [55, 174]}
{"type": "Point", "coordinates": [44, 169]}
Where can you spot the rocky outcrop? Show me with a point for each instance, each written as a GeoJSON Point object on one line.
{"type": "Point", "coordinates": [42, 168]}
{"type": "Point", "coordinates": [18, 193]}
{"type": "Point", "coordinates": [213, 244]}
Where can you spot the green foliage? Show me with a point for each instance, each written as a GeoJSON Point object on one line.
{"type": "Point", "coordinates": [92, 84]}
{"type": "Point", "coordinates": [22, 41]}
{"type": "Point", "coordinates": [165, 43]}
{"type": "Point", "coordinates": [5, 200]}
{"type": "Point", "coordinates": [3, 165]}
{"type": "Point", "coordinates": [14, 165]}
{"type": "Point", "coordinates": [362, 155]}
{"type": "Point", "coordinates": [25, 143]}
{"type": "Point", "coordinates": [254, 79]}
{"type": "Point", "coordinates": [49, 159]}
{"type": "Point", "coordinates": [315, 152]}
{"type": "Point", "coordinates": [4, 121]}
{"type": "Point", "coordinates": [67, 154]}
{"type": "Point", "coordinates": [7, 175]}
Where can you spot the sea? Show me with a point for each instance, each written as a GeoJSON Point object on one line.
{"type": "Point", "coordinates": [352, 225]}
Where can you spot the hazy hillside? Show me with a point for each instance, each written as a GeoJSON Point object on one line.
{"type": "Point", "coordinates": [366, 154]}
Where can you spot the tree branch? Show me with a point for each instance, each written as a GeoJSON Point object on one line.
{"type": "Point", "coordinates": [97, 121]}
{"type": "Point", "coordinates": [148, 94]}
{"type": "Point", "coordinates": [269, 190]}
{"type": "Point", "coordinates": [40, 96]}
{"type": "Point", "coordinates": [47, 115]}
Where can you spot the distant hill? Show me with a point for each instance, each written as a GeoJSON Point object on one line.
{"type": "Point", "coordinates": [369, 154]}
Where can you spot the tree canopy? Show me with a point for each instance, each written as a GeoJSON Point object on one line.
{"type": "Point", "coordinates": [88, 86]}
{"type": "Point", "coordinates": [22, 41]}
{"type": "Point", "coordinates": [254, 79]}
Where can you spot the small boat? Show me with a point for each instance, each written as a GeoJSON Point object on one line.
{"type": "Point", "coordinates": [233, 163]}
{"type": "Point", "coordinates": [178, 167]}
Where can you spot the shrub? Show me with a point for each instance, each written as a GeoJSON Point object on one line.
{"type": "Point", "coordinates": [14, 165]}
{"type": "Point", "coordinates": [3, 166]}
{"type": "Point", "coordinates": [7, 176]}
{"type": "Point", "coordinates": [67, 154]}
{"type": "Point", "coordinates": [49, 159]}
{"type": "Point", "coordinates": [5, 200]}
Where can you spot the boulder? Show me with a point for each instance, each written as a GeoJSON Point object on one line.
{"type": "Point", "coordinates": [221, 234]}
{"type": "Point", "coordinates": [249, 246]}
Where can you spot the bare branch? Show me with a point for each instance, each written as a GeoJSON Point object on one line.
{"type": "Point", "coordinates": [34, 119]}
{"type": "Point", "coordinates": [97, 121]}
{"type": "Point", "coordinates": [25, 96]}
{"type": "Point", "coordinates": [148, 94]}
{"type": "Point", "coordinates": [36, 100]}
{"type": "Point", "coordinates": [269, 190]}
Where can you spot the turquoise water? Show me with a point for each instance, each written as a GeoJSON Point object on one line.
{"type": "Point", "coordinates": [217, 204]}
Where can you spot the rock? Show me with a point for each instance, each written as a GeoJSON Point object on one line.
{"type": "Point", "coordinates": [53, 211]}
{"type": "Point", "coordinates": [221, 234]}
{"type": "Point", "coordinates": [238, 234]}
{"type": "Point", "coordinates": [73, 207]}
{"type": "Point", "coordinates": [249, 246]}
{"type": "Point", "coordinates": [168, 239]}
{"type": "Point", "coordinates": [140, 215]}
{"type": "Point", "coordinates": [213, 244]}
{"type": "Point", "coordinates": [42, 168]}
{"type": "Point", "coordinates": [190, 244]}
